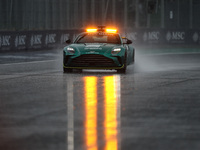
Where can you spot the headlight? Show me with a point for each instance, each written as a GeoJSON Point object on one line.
{"type": "Point", "coordinates": [71, 50]}
{"type": "Point", "coordinates": [116, 50]}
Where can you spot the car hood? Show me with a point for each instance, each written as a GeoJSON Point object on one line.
{"type": "Point", "coordinates": [94, 48]}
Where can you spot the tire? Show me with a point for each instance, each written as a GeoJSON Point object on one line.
{"type": "Point", "coordinates": [78, 70]}
{"type": "Point", "coordinates": [133, 56]}
{"type": "Point", "coordinates": [123, 70]}
{"type": "Point", "coordinates": [67, 70]}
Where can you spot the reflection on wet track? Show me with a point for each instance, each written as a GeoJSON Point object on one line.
{"type": "Point", "coordinates": [90, 84]}
{"type": "Point", "coordinates": [154, 106]}
{"type": "Point", "coordinates": [111, 109]}
{"type": "Point", "coordinates": [107, 131]}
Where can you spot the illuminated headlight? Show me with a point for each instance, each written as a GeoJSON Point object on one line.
{"type": "Point", "coordinates": [70, 50]}
{"type": "Point", "coordinates": [116, 50]}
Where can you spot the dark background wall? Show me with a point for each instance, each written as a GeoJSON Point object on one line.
{"type": "Point", "coordinates": [26, 15]}
{"type": "Point", "coordinates": [45, 24]}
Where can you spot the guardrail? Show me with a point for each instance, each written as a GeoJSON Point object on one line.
{"type": "Point", "coordinates": [32, 40]}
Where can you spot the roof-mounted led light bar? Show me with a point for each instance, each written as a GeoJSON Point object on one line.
{"type": "Point", "coordinates": [102, 29]}
{"type": "Point", "coordinates": [91, 30]}
{"type": "Point", "coordinates": [111, 30]}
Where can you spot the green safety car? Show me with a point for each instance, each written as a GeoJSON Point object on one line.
{"type": "Point", "coordinates": [98, 48]}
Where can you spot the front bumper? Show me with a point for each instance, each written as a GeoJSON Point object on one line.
{"type": "Point", "coordinates": [93, 61]}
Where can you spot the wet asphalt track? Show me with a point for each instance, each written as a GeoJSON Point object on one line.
{"type": "Point", "coordinates": [154, 106]}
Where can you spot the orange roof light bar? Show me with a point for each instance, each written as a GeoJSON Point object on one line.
{"type": "Point", "coordinates": [111, 30]}
{"type": "Point", "coordinates": [108, 30]}
{"type": "Point", "coordinates": [91, 30]}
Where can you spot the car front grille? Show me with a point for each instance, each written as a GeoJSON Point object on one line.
{"type": "Point", "coordinates": [91, 60]}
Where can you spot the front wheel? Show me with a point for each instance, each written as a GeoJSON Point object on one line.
{"type": "Point", "coordinates": [133, 57]}
{"type": "Point", "coordinates": [123, 70]}
{"type": "Point", "coordinates": [67, 70]}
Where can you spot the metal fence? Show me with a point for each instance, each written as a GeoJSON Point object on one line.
{"type": "Point", "coordinates": [17, 15]}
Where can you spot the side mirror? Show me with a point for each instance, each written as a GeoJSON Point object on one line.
{"type": "Point", "coordinates": [129, 42]}
{"type": "Point", "coordinates": [68, 41]}
{"type": "Point", "coordinates": [126, 41]}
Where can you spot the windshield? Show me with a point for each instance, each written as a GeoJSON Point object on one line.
{"type": "Point", "coordinates": [99, 38]}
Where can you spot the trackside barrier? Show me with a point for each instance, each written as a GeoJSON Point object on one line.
{"type": "Point", "coordinates": [164, 36]}
{"type": "Point", "coordinates": [52, 39]}
{"type": "Point", "coordinates": [35, 40]}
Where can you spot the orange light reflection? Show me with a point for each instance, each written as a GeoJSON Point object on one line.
{"type": "Point", "coordinates": [110, 113]}
{"type": "Point", "coordinates": [91, 112]}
